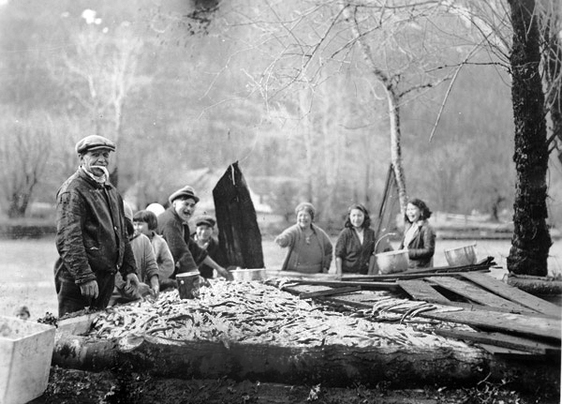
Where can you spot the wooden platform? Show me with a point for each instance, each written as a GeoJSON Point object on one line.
{"type": "Point", "coordinates": [501, 315]}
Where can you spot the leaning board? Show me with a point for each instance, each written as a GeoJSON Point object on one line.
{"type": "Point", "coordinates": [513, 294]}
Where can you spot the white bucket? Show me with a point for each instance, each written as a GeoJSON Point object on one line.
{"type": "Point", "coordinates": [465, 255]}
{"type": "Point", "coordinates": [26, 349]}
{"type": "Point", "coordinates": [392, 261]}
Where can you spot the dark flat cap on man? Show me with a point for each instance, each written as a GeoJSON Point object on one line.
{"type": "Point", "coordinates": [94, 142]}
{"type": "Point", "coordinates": [186, 192]}
{"type": "Point", "coordinates": [205, 220]}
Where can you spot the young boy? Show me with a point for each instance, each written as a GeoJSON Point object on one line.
{"type": "Point", "coordinates": [205, 226]}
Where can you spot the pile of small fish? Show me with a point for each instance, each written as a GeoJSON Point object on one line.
{"type": "Point", "coordinates": [256, 313]}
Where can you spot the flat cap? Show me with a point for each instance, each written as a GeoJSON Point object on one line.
{"type": "Point", "coordinates": [94, 142]}
{"type": "Point", "coordinates": [205, 220]}
{"type": "Point", "coordinates": [184, 193]}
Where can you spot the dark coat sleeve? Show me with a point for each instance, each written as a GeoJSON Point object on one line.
{"type": "Point", "coordinates": [423, 246]}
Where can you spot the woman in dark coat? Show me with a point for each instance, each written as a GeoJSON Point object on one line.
{"type": "Point", "coordinates": [419, 237]}
{"type": "Point", "coordinates": [356, 243]}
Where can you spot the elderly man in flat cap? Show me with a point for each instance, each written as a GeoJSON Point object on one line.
{"type": "Point", "coordinates": [91, 236]}
{"type": "Point", "coordinates": [173, 226]}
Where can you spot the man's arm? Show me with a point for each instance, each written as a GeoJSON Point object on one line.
{"type": "Point", "coordinates": [220, 270]}
{"type": "Point", "coordinates": [179, 249]}
{"type": "Point", "coordinates": [69, 238]}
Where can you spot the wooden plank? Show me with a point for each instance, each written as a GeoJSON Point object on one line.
{"type": "Point", "coordinates": [512, 293]}
{"type": "Point", "coordinates": [403, 276]}
{"type": "Point", "coordinates": [482, 266]}
{"type": "Point", "coordinates": [76, 325]}
{"type": "Point", "coordinates": [365, 285]}
{"type": "Point", "coordinates": [478, 295]}
{"type": "Point", "coordinates": [504, 341]}
{"type": "Point", "coordinates": [420, 290]}
{"type": "Point", "coordinates": [538, 326]}
{"type": "Point", "coordinates": [329, 292]}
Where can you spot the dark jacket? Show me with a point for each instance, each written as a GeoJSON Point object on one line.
{"type": "Point", "coordinates": [354, 255]}
{"type": "Point", "coordinates": [215, 253]}
{"type": "Point", "coordinates": [91, 235]}
{"type": "Point", "coordinates": [187, 254]}
{"type": "Point", "coordinates": [422, 246]}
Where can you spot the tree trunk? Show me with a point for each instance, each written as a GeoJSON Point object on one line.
{"type": "Point", "coordinates": [393, 109]}
{"type": "Point", "coordinates": [531, 239]}
{"type": "Point", "coordinates": [552, 61]}
{"type": "Point", "coordinates": [331, 365]}
{"type": "Point", "coordinates": [18, 204]}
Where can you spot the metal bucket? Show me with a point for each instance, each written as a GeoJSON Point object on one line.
{"type": "Point", "coordinates": [465, 255]}
{"type": "Point", "coordinates": [246, 275]}
{"type": "Point", "coordinates": [392, 261]}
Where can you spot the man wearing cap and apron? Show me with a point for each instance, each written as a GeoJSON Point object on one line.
{"type": "Point", "coordinates": [91, 236]}
{"type": "Point", "coordinates": [173, 226]}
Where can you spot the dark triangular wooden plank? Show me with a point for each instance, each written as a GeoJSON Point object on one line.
{"type": "Point", "coordinates": [504, 341]}
{"type": "Point", "coordinates": [478, 295]}
{"type": "Point", "coordinates": [420, 290]}
{"type": "Point", "coordinates": [515, 295]}
{"type": "Point", "coordinates": [541, 326]}
{"type": "Point", "coordinates": [239, 233]}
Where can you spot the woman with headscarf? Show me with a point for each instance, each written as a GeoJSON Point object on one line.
{"type": "Point", "coordinates": [309, 247]}
{"type": "Point", "coordinates": [356, 243]}
{"type": "Point", "coordinates": [419, 237]}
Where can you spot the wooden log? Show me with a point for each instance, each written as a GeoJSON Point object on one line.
{"type": "Point", "coordinates": [336, 366]}
{"type": "Point", "coordinates": [535, 285]}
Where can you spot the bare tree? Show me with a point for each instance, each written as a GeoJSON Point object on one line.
{"type": "Point", "coordinates": [101, 74]}
{"type": "Point", "coordinates": [25, 150]}
{"type": "Point", "coordinates": [403, 45]}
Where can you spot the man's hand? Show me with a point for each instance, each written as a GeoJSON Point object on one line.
{"type": "Point", "coordinates": [154, 286]}
{"type": "Point", "coordinates": [90, 290]}
{"type": "Point", "coordinates": [224, 273]}
{"type": "Point", "coordinates": [132, 283]}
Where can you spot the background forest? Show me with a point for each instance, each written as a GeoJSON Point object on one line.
{"type": "Point", "coordinates": [275, 85]}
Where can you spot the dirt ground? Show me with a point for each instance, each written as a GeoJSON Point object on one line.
{"type": "Point", "coordinates": [79, 387]}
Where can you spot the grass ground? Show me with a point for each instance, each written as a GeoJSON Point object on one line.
{"type": "Point", "coordinates": [26, 268]}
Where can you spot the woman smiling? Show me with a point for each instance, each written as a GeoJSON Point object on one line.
{"type": "Point", "coordinates": [419, 237]}
{"type": "Point", "coordinates": [310, 248]}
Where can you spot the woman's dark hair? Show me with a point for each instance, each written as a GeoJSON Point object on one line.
{"type": "Point", "coordinates": [147, 217]}
{"type": "Point", "coordinates": [366, 222]}
{"type": "Point", "coordinates": [425, 213]}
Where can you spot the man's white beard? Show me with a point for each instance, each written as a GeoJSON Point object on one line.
{"type": "Point", "coordinates": [99, 178]}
